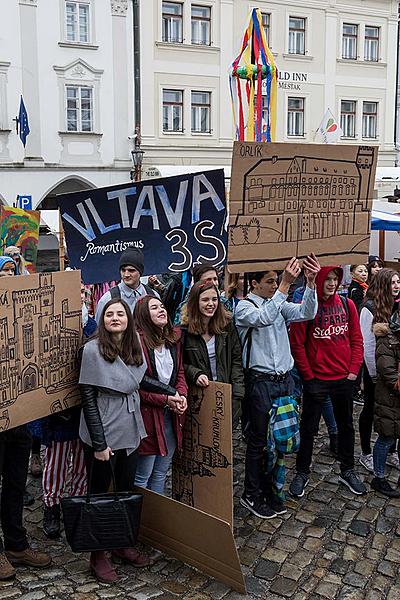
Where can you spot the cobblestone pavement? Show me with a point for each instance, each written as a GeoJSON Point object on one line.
{"type": "Point", "coordinates": [330, 544]}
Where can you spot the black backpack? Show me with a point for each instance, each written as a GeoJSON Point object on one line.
{"type": "Point", "coordinates": [172, 296]}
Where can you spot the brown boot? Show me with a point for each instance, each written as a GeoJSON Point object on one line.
{"type": "Point", "coordinates": [29, 558]}
{"type": "Point", "coordinates": [7, 571]}
{"type": "Point", "coordinates": [133, 557]}
{"type": "Point", "coordinates": [101, 567]}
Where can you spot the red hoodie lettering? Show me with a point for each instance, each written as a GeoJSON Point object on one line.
{"type": "Point", "coordinates": [327, 333]}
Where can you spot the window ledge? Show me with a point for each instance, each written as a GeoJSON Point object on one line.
{"type": "Point", "coordinates": [297, 137]}
{"type": "Point", "coordinates": [189, 47]}
{"type": "Point", "coordinates": [202, 133]}
{"type": "Point", "coordinates": [297, 56]}
{"type": "Point", "coordinates": [81, 133]}
{"type": "Point", "coordinates": [5, 130]}
{"type": "Point", "coordinates": [358, 61]}
{"type": "Point", "coordinates": [173, 132]}
{"type": "Point", "coordinates": [79, 45]}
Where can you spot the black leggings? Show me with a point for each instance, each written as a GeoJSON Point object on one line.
{"type": "Point", "coordinates": [124, 468]}
{"type": "Point", "coordinates": [366, 418]}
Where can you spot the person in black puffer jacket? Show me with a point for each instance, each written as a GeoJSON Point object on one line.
{"type": "Point", "coordinates": [387, 400]}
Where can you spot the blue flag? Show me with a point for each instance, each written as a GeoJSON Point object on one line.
{"type": "Point", "coordinates": [23, 124]}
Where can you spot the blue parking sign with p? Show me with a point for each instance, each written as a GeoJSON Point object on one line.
{"type": "Point", "coordinates": [24, 202]}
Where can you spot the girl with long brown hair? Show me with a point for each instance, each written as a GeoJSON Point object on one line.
{"type": "Point", "coordinates": [234, 289]}
{"type": "Point", "coordinates": [111, 428]}
{"type": "Point", "coordinates": [163, 416]}
{"type": "Point", "coordinates": [212, 350]}
{"type": "Point", "coordinates": [378, 307]}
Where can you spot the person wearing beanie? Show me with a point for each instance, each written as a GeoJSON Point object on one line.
{"type": "Point", "coordinates": [375, 264]}
{"type": "Point", "coordinates": [130, 288]}
{"type": "Point", "coordinates": [7, 266]}
{"type": "Point", "coordinates": [15, 447]}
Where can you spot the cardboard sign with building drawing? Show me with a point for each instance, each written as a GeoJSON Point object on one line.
{"type": "Point", "coordinates": [292, 199]}
{"type": "Point", "coordinates": [40, 333]}
{"type": "Point", "coordinates": [202, 472]}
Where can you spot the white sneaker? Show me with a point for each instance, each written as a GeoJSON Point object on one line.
{"type": "Point", "coordinates": [367, 461]}
{"type": "Point", "coordinates": [393, 461]}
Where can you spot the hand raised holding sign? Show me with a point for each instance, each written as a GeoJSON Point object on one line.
{"type": "Point", "coordinates": [291, 272]}
{"type": "Point", "coordinates": [311, 268]}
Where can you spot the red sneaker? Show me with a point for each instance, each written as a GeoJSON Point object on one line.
{"type": "Point", "coordinates": [133, 557]}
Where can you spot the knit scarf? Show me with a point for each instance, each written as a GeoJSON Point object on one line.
{"type": "Point", "coordinates": [363, 284]}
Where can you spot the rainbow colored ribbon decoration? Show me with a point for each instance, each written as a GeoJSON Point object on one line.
{"type": "Point", "coordinates": [254, 64]}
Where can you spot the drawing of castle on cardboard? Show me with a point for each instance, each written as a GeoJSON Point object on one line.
{"type": "Point", "coordinates": [202, 472]}
{"type": "Point", "coordinates": [292, 199]}
{"type": "Point", "coordinates": [40, 333]}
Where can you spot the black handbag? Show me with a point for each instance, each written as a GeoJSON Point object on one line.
{"type": "Point", "coordinates": [102, 521]}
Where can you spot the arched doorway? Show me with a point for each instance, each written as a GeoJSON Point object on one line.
{"type": "Point", "coordinates": [48, 249]}
{"type": "Point", "coordinates": [30, 378]}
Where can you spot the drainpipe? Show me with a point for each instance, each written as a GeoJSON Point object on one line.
{"type": "Point", "coordinates": [136, 69]}
{"type": "Point", "coordinates": [397, 103]}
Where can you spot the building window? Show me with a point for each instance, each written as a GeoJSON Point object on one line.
{"type": "Point", "coordinates": [295, 117]}
{"type": "Point", "coordinates": [348, 118]}
{"type": "Point", "coordinates": [172, 22]}
{"type": "Point", "coordinates": [297, 35]}
{"type": "Point", "coordinates": [201, 25]}
{"type": "Point", "coordinates": [172, 110]}
{"type": "Point", "coordinates": [371, 44]}
{"type": "Point", "coordinates": [370, 119]}
{"type": "Point", "coordinates": [27, 336]}
{"type": "Point", "coordinates": [79, 108]}
{"type": "Point", "coordinates": [266, 23]}
{"type": "Point", "coordinates": [77, 21]}
{"type": "Point", "coordinates": [349, 47]}
{"type": "Point", "coordinates": [201, 112]}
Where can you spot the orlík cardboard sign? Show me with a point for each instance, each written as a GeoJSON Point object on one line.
{"type": "Point", "coordinates": [202, 472]}
{"type": "Point", "coordinates": [292, 199]}
{"type": "Point", "coordinates": [40, 333]}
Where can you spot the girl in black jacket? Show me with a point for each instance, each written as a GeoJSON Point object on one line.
{"type": "Point", "coordinates": [212, 350]}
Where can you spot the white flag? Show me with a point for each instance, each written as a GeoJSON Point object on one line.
{"type": "Point", "coordinates": [329, 129]}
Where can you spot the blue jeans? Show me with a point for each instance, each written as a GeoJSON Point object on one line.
{"type": "Point", "coordinates": [380, 454]}
{"type": "Point", "coordinates": [329, 417]}
{"type": "Point", "coordinates": [152, 469]}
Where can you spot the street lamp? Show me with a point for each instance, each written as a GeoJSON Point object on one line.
{"type": "Point", "coordinates": [137, 159]}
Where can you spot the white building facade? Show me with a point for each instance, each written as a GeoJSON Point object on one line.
{"type": "Point", "coordinates": [331, 54]}
{"type": "Point", "coordinates": [72, 62]}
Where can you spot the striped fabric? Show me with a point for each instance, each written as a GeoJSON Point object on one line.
{"type": "Point", "coordinates": [64, 463]}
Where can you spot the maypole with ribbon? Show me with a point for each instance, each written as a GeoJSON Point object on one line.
{"type": "Point", "coordinates": [254, 64]}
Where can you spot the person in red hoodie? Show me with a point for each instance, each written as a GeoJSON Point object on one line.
{"type": "Point", "coordinates": [163, 416]}
{"type": "Point", "coordinates": [328, 353]}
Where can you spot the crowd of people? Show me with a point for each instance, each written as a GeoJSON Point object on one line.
{"type": "Point", "coordinates": [272, 336]}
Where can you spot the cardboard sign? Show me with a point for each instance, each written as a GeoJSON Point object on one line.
{"type": "Point", "coordinates": [192, 536]}
{"type": "Point", "coordinates": [292, 199]}
{"type": "Point", "coordinates": [40, 333]}
{"type": "Point", "coordinates": [20, 228]}
{"type": "Point", "coordinates": [202, 473]}
{"type": "Point", "coordinates": [176, 221]}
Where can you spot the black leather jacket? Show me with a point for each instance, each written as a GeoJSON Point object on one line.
{"type": "Point", "coordinates": [91, 410]}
